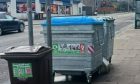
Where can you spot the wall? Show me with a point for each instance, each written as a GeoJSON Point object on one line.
{"type": "Point", "coordinates": [77, 9]}
{"type": "Point", "coordinates": [13, 11]}
{"type": "Point", "coordinates": [90, 3]}
{"type": "Point", "coordinates": [74, 9]}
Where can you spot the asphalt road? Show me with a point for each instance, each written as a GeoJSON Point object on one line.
{"type": "Point", "coordinates": [19, 39]}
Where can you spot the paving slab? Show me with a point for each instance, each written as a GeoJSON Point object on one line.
{"type": "Point", "coordinates": [137, 79]}
{"type": "Point", "coordinates": [125, 67]}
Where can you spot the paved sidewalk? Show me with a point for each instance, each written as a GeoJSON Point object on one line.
{"type": "Point", "coordinates": [125, 67]}
{"type": "Point", "coordinates": [35, 22]}
{"type": "Point", "coordinates": [125, 61]}
{"type": "Point", "coordinates": [7, 82]}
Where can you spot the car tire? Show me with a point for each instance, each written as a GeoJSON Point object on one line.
{"type": "Point", "coordinates": [21, 28]}
{"type": "Point", "coordinates": [1, 32]}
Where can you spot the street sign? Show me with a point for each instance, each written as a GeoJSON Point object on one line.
{"type": "Point", "coordinates": [30, 22]}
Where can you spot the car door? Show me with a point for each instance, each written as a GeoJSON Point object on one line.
{"type": "Point", "coordinates": [13, 23]}
{"type": "Point", "coordinates": [4, 22]}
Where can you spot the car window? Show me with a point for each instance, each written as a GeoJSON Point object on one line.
{"type": "Point", "coordinates": [9, 17]}
{"type": "Point", "coordinates": [2, 16]}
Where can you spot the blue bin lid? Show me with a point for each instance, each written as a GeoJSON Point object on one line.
{"type": "Point", "coordinates": [74, 20]}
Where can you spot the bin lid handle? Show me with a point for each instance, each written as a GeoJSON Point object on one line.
{"type": "Point", "coordinates": [25, 49]}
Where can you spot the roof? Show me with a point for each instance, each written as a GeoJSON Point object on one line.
{"type": "Point", "coordinates": [4, 0]}
{"type": "Point", "coordinates": [76, 1]}
{"type": "Point", "coordinates": [24, 1]}
{"type": "Point", "coordinates": [44, 1]}
{"type": "Point", "coordinates": [74, 20]}
{"type": "Point", "coordinates": [64, 1]}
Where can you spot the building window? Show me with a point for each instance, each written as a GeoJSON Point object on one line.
{"type": "Point", "coordinates": [3, 7]}
{"type": "Point", "coordinates": [80, 10]}
{"type": "Point", "coordinates": [62, 9]}
{"type": "Point", "coordinates": [57, 9]}
{"type": "Point", "coordinates": [54, 8]}
{"type": "Point", "coordinates": [22, 7]}
{"type": "Point", "coordinates": [68, 10]}
{"type": "Point", "coordinates": [43, 7]}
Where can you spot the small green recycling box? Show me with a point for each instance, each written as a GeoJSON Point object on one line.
{"type": "Point", "coordinates": [29, 64]}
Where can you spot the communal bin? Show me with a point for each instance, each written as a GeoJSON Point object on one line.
{"type": "Point", "coordinates": [77, 45]}
{"type": "Point", "coordinates": [109, 35]}
{"type": "Point", "coordinates": [41, 16]}
{"type": "Point", "coordinates": [38, 16]}
{"type": "Point", "coordinates": [29, 64]}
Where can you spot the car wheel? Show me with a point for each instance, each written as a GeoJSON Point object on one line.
{"type": "Point", "coordinates": [21, 28]}
{"type": "Point", "coordinates": [1, 32]}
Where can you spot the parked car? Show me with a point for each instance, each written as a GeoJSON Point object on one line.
{"type": "Point", "coordinates": [9, 23]}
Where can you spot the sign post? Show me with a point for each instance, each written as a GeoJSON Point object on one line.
{"type": "Point", "coordinates": [48, 20]}
{"type": "Point", "coordinates": [49, 33]}
{"type": "Point", "coordinates": [30, 22]}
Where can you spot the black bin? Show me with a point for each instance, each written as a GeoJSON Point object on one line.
{"type": "Point", "coordinates": [41, 16]}
{"type": "Point", "coordinates": [29, 65]}
{"type": "Point", "coordinates": [38, 16]}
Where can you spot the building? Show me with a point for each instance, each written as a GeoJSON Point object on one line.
{"type": "Point", "coordinates": [18, 8]}
{"type": "Point", "coordinates": [89, 7]}
{"type": "Point", "coordinates": [3, 5]}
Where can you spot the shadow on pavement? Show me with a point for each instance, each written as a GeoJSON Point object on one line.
{"type": "Point", "coordinates": [70, 82]}
{"type": "Point", "coordinates": [73, 80]}
{"type": "Point", "coordinates": [11, 32]}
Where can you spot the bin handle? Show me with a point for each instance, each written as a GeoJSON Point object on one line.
{"type": "Point", "coordinates": [28, 57]}
{"type": "Point", "coordinates": [45, 51]}
{"type": "Point", "coordinates": [10, 48]}
{"type": "Point", "coordinates": [101, 44]}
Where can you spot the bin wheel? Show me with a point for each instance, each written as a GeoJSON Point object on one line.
{"type": "Point", "coordinates": [67, 77]}
{"type": "Point", "coordinates": [53, 78]}
{"type": "Point", "coordinates": [103, 69]}
{"type": "Point", "coordinates": [89, 79]}
{"type": "Point", "coordinates": [110, 60]}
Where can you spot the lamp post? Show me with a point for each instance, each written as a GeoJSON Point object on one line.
{"type": "Point", "coordinates": [128, 5]}
{"type": "Point", "coordinates": [30, 23]}
{"type": "Point", "coordinates": [95, 5]}
{"type": "Point", "coordinates": [48, 20]}
{"type": "Point", "coordinates": [49, 32]}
